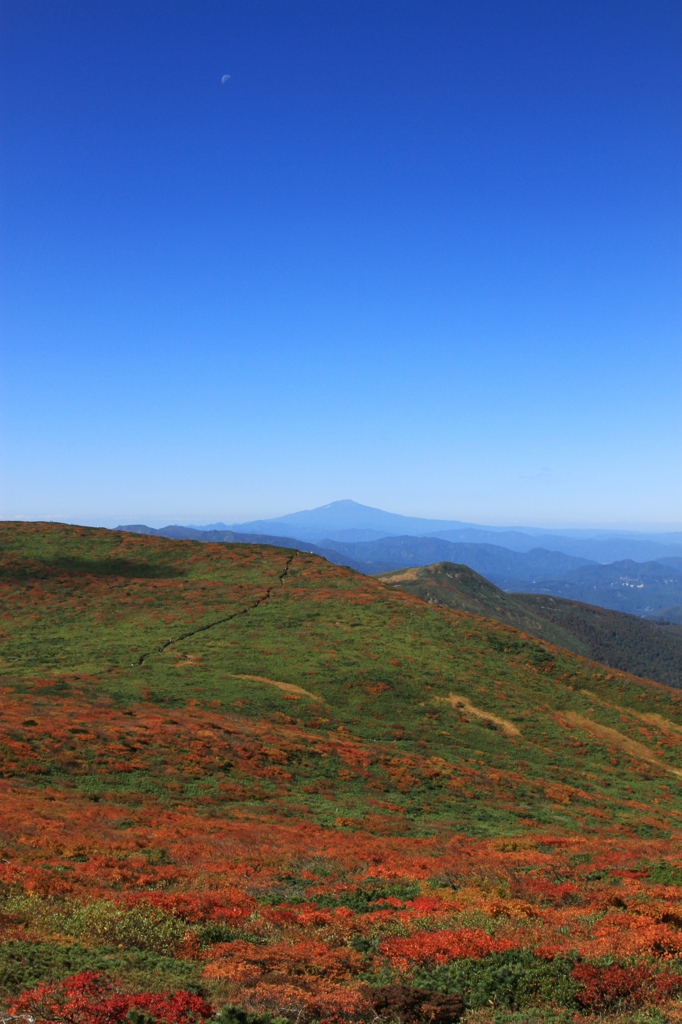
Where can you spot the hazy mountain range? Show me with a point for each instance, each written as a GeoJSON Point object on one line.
{"type": "Point", "coordinates": [503, 566]}
{"type": "Point", "coordinates": [641, 588]}
{"type": "Point", "coordinates": [349, 522]}
{"type": "Point", "coordinates": [630, 572]}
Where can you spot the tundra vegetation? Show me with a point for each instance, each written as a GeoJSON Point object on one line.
{"type": "Point", "coordinates": [243, 785]}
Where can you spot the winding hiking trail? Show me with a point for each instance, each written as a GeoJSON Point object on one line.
{"type": "Point", "coordinates": [227, 618]}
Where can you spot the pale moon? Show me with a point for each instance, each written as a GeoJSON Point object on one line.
{"type": "Point", "coordinates": [225, 78]}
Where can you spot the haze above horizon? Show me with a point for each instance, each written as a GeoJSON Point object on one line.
{"type": "Point", "coordinates": [257, 255]}
{"type": "Point", "coordinates": [351, 516]}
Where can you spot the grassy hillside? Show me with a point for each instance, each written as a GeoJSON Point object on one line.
{"type": "Point", "coordinates": [228, 536]}
{"type": "Point", "coordinates": [463, 589]}
{"type": "Point", "coordinates": [616, 639]}
{"type": "Point", "coordinates": [235, 774]}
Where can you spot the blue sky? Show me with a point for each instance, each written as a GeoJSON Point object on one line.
{"type": "Point", "coordinates": [425, 255]}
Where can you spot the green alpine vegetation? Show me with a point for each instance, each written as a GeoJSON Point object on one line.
{"type": "Point", "coordinates": [241, 784]}
{"type": "Point", "coordinates": [269, 631]}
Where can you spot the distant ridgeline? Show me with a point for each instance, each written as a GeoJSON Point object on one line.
{"type": "Point", "coordinates": [651, 588]}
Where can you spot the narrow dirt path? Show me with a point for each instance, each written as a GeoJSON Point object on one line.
{"type": "Point", "coordinates": [464, 704]}
{"type": "Point", "coordinates": [227, 618]}
{"type": "Point", "coordinates": [616, 739]}
{"type": "Point", "coordinates": [287, 687]}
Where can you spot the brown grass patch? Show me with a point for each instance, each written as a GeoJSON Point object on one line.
{"type": "Point", "coordinates": [663, 723]}
{"type": "Point", "coordinates": [402, 574]}
{"type": "Point", "coordinates": [616, 739]}
{"type": "Point", "coordinates": [651, 717]}
{"type": "Point", "coordinates": [464, 704]}
{"type": "Point", "coordinates": [287, 687]}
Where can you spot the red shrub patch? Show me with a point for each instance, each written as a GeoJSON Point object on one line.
{"type": "Point", "coordinates": [85, 999]}
{"type": "Point", "coordinates": [629, 987]}
{"type": "Point", "coordinates": [439, 947]}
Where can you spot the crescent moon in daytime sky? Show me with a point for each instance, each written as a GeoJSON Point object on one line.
{"type": "Point", "coordinates": [225, 78]}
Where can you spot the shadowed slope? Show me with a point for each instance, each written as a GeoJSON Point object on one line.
{"type": "Point", "coordinates": [617, 639]}
{"type": "Point", "coordinates": [614, 638]}
{"type": "Point", "coordinates": [459, 587]}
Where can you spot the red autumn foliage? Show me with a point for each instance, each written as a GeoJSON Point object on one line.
{"type": "Point", "coordinates": [555, 894]}
{"type": "Point", "coordinates": [604, 988]}
{"type": "Point", "coordinates": [228, 908]}
{"type": "Point", "coordinates": [439, 947]}
{"type": "Point", "coordinates": [245, 962]}
{"type": "Point", "coordinates": [218, 835]}
{"type": "Point", "coordinates": [86, 999]}
{"type": "Point", "coordinates": [305, 1001]}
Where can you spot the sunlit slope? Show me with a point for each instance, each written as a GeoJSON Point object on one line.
{"type": "Point", "coordinates": [77, 600]}
{"type": "Point", "coordinates": [314, 692]}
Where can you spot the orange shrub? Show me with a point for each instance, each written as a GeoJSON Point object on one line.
{"type": "Point", "coordinates": [439, 947]}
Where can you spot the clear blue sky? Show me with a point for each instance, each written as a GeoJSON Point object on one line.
{"type": "Point", "coordinates": [423, 254]}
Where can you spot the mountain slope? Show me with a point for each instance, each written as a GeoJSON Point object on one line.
{"type": "Point", "coordinates": [229, 537]}
{"type": "Point", "coordinates": [615, 638]}
{"type": "Point", "coordinates": [241, 774]}
{"type": "Point", "coordinates": [675, 562]}
{"type": "Point", "coordinates": [621, 641]}
{"type": "Point", "coordinates": [173, 618]}
{"type": "Point", "coordinates": [669, 615]}
{"type": "Point", "coordinates": [461, 588]}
